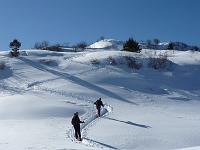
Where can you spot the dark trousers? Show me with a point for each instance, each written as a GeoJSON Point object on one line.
{"type": "Point", "coordinates": [99, 111]}
{"type": "Point", "coordinates": [77, 132]}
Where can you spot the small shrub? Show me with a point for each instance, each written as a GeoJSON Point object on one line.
{"type": "Point", "coordinates": [195, 48]}
{"type": "Point", "coordinates": [56, 47]}
{"type": "Point", "coordinates": [158, 63]}
{"type": "Point", "coordinates": [2, 65]}
{"type": "Point", "coordinates": [156, 41]}
{"type": "Point", "coordinates": [48, 62]}
{"type": "Point", "coordinates": [120, 61]}
{"type": "Point", "coordinates": [41, 45]}
{"type": "Point", "coordinates": [80, 46]}
{"type": "Point", "coordinates": [100, 38]}
{"type": "Point", "coordinates": [95, 62]}
{"type": "Point", "coordinates": [132, 63]}
{"type": "Point", "coordinates": [23, 53]}
{"type": "Point", "coordinates": [112, 61]}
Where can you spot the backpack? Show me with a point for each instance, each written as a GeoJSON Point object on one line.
{"type": "Point", "coordinates": [73, 122]}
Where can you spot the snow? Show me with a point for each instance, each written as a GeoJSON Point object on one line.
{"type": "Point", "coordinates": [107, 44]}
{"type": "Point", "coordinates": [190, 148]}
{"type": "Point", "coordinates": [145, 109]}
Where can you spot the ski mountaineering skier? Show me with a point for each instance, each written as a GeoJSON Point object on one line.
{"type": "Point", "coordinates": [98, 104]}
{"type": "Point", "coordinates": [76, 123]}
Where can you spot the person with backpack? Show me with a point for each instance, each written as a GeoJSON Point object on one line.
{"type": "Point", "coordinates": [98, 104]}
{"type": "Point", "coordinates": [76, 124]}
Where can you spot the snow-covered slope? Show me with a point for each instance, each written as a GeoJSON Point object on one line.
{"type": "Point", "coordinates": [144, 108]}
{"type": "Point", "coordinates": [112, 44]}
{"type": "Point", "coordinates": [107, 44]}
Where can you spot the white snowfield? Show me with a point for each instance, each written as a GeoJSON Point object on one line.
{"type": "Point", "coordinates": [145, 109]}
{"type": "Point", "coordinates": [190, 148]}
{"type": "Point", "coordinates": [107, 44]}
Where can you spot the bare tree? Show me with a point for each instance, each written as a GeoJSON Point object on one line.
{"type": "Point", "coordinates": [149, 43]}
{"type": "Point", "coordinates": [80, 46]}
{"type": "Point", "coordinates": [41, 45]}
{"type": "Point", "coordinates": [156, 41]}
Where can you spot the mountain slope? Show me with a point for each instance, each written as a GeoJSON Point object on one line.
{"type": "Point", "coordinates": [148, 108]}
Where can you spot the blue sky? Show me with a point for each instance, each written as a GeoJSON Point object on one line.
{"type": "Point", "coordinates": [71, 21]}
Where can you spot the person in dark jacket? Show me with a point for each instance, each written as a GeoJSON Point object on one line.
{"type": "Point", "coordinates": [98, 104]}
{"type": "Point", "coordinates": [76, 123]}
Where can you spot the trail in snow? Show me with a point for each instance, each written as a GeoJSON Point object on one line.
{"type": "Point", "coordinates": [90, 116]}
{"type": "Point", "coordinates": [90, 119]}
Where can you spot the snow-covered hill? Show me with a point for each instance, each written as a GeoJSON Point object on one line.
{"type": "Point", "coordinates": [112, 44]}
{"type": "Point", "coordinates": [145, 108]}
{"type": "Point", "coordinates": [109, 44]}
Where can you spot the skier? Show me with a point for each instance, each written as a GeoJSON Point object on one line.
{"type": "Point", "coordinates": [98, 104]}
{"type": "Point", "coordinates": [76, 123]}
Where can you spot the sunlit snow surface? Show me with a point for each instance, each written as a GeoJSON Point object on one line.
{"type": "Point", "coordinates": [144, 109]}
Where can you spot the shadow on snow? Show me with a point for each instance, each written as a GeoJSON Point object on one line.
{"type": "Point", "coordinates": [129, 123]}
{"type": "Point", "coordinates": [100, 143]}
{"type": "Point", "coordinates": [75, 80]}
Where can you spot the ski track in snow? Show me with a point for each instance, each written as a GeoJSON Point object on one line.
{"type": "Point", "coordinates": [90, 119]}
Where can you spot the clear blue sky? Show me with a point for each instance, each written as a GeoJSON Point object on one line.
{"type": "Point", "coordinates": [59, 21]}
